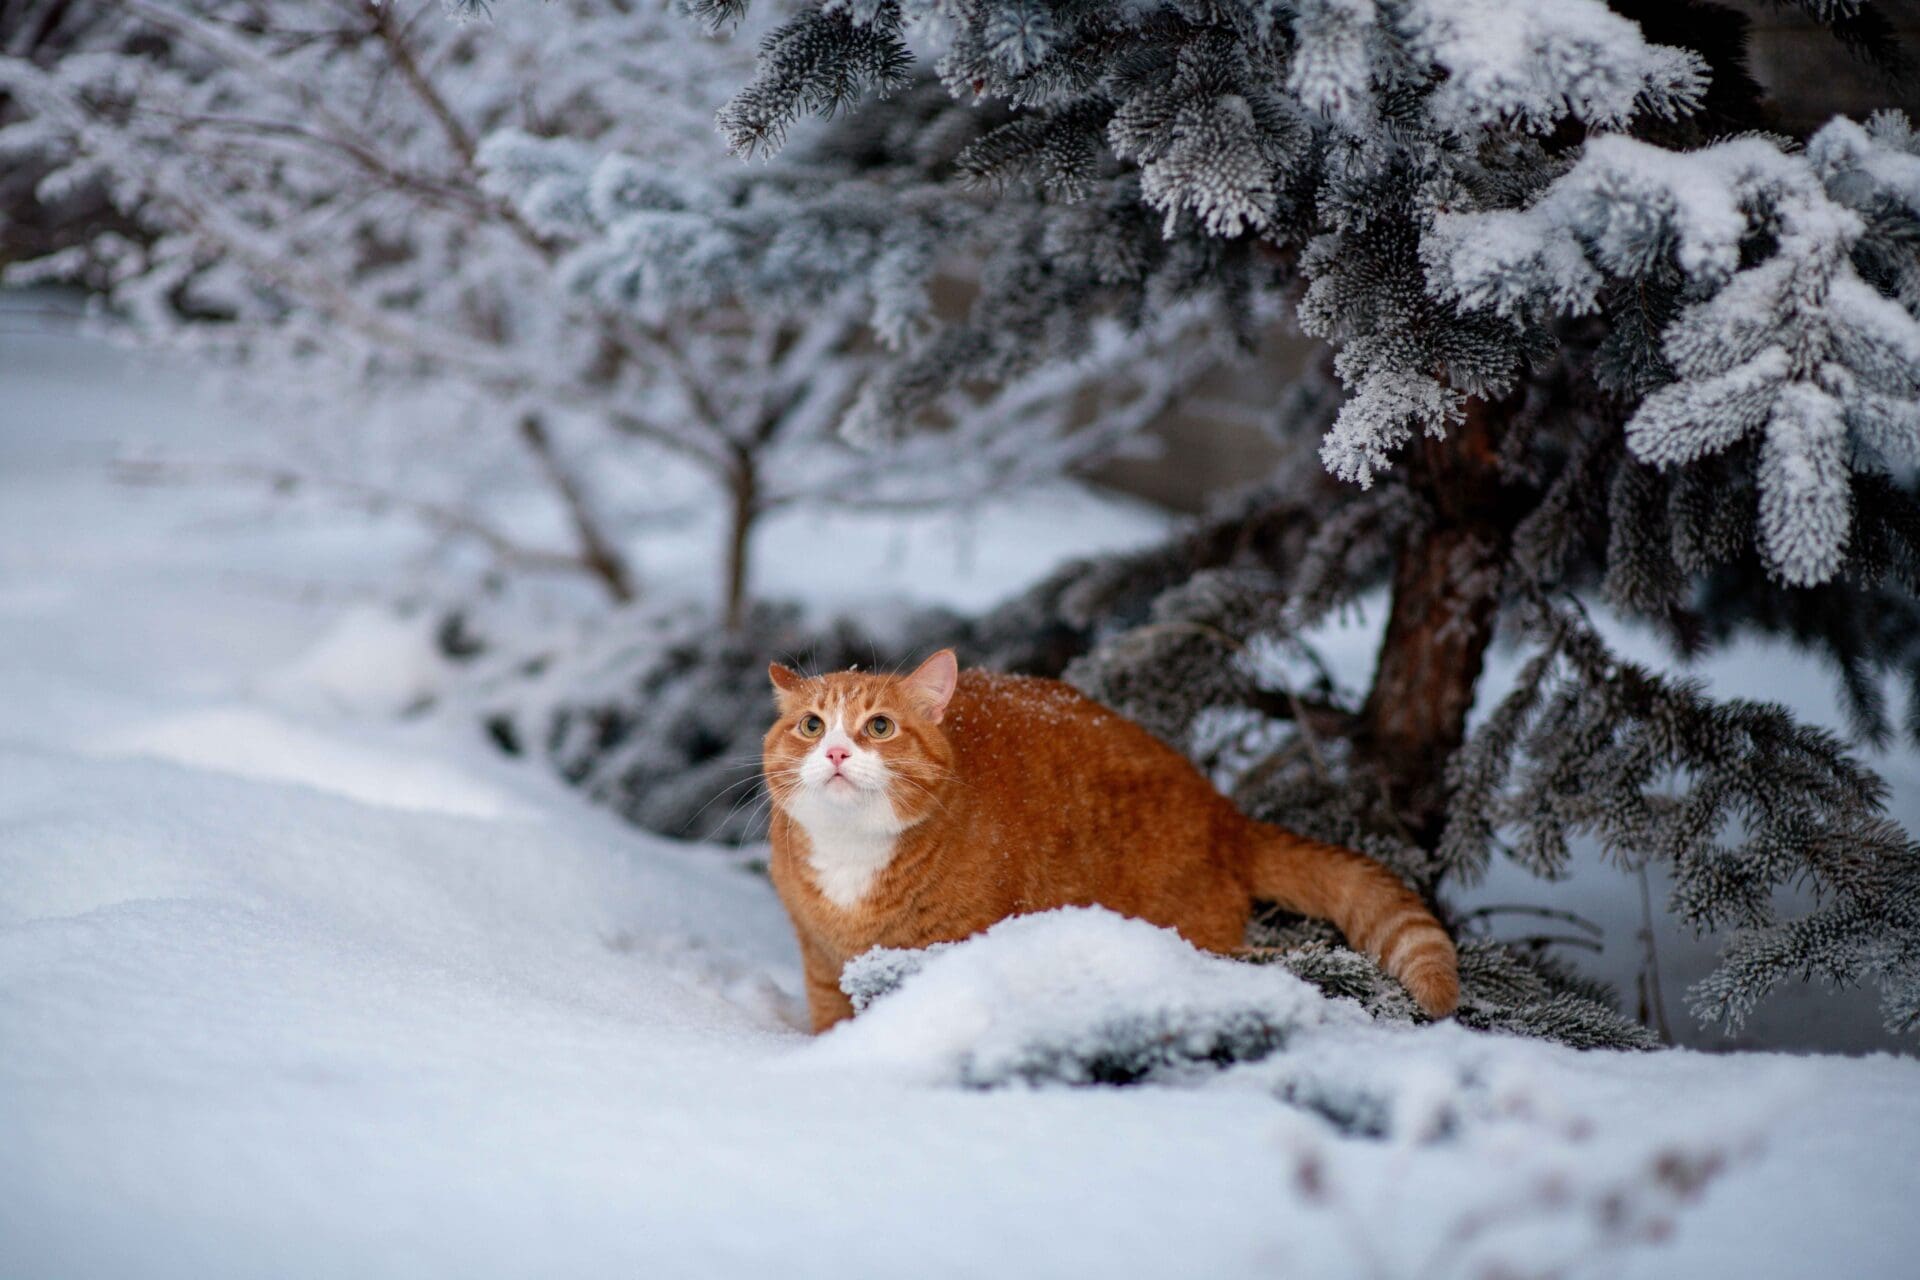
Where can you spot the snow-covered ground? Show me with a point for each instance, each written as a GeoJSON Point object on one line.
{"type": "Point", "coordinates": [290, 989]}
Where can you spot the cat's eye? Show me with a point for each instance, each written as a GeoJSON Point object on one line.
{"type": "Point", "coordinates": [880, 727]}
{"type": "Point", "coordinates": [812, 726]}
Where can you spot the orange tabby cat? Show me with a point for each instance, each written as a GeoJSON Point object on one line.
{"type": "Point", "coordinates": [909, 810]}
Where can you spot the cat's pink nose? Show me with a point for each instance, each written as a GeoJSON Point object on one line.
{"type": "Point", "coordinates": [837, 754]}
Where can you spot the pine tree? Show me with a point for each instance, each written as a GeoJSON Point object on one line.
{"type": "Point", "coordinates": [1599, 337]}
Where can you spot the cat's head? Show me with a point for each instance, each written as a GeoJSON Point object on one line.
{"type": "Point", "coordinates": [860, 747]}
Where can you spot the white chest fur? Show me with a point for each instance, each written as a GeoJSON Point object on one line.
{"type": "Point", "coordinates": [847, 845]}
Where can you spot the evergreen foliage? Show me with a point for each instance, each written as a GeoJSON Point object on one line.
{"type": "Point", "coordinates": [1599, 334]}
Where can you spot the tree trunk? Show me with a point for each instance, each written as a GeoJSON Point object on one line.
{"type": "Point", "coordinates": [599, 557]}
{"type": "Point", "coordinates": [744, 488]}
{"type": "Point", "coordinates": [1446, 591]}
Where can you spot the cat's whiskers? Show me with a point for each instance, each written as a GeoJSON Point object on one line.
{"type": "Point", "coordinates": [722, 794]}
{"type": "Point", "coordinates": [755, 804]}
{"type": "Point", "coordinates": [762, 806]}
{"type": "Point", "coordinates": [764, 801]}
{"type": "Point", "coordinates": [755, 761]}
{"type": "Point", "coordinates": [785, 775]}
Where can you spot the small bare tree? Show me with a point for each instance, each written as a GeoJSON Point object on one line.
{"type": "Point", "coordinates": [411, 224]}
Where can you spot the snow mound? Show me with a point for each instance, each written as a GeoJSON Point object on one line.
{"type": "Point", "coordinates": [1077, 996]}
{"type": "Point", "coordinates": [267, 747]}
{"type": "Point", "coordinates": [371, 659]}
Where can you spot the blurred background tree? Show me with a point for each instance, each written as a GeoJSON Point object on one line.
{"type": "Point", "coordinates": [368, 203]}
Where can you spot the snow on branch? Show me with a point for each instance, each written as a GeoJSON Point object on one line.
{"type": "Point", "coordinates": [1536, 65]}
{"type": "Point", "coordinates": [1782, 339]}
{"type": "Point", "coordinates": [820, 63]}
{"type": "Point", "coordinates": [821, 265]}
{"type": "Point", "coordinates": [1737, 798]}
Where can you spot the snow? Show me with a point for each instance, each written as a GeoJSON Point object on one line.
{"type": "Point", "coordinates": [291, 988]}
{"type": "Point", "coordinates": [1797, 347]}
{"type": "Point", "coordinates": [370, 659]}
{"type": "Point", "coordinates": [249, 743]}
{"type": "Point", "coordinates": [1539, 64]}
{"type": "Point", "coordinates": [1072, 983]}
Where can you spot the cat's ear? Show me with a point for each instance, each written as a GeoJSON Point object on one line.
{"type": "Point", "coordinates": [931, 683]}
{"type": "Point", "coordinates": [784, 679]}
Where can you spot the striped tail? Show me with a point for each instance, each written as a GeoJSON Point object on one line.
{"type": "Point", "coordinates": [1379, 914]}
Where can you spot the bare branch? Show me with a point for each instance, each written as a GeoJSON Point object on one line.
{"type": "Point", "coordinates": [597, 552]}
